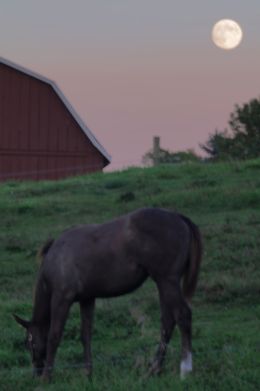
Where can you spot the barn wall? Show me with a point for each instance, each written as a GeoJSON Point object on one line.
{"type": "Point", "coordinates": [39, 138]}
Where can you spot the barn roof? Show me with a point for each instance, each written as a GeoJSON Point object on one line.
{"type": "Point", "coordinates": [63, 98]}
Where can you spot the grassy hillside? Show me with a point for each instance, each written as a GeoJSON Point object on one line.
{"type": "Point", "coordinates": [223, 199]}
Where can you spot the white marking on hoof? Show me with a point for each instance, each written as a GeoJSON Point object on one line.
{"type": "Point", "coordinates": [186, 366]}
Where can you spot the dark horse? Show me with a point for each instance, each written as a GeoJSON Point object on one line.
{"type": "Point", "coordinates": [111, 259]}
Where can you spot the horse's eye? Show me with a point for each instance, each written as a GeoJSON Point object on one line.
{"type": "Point", "coordinates": [30, 338]}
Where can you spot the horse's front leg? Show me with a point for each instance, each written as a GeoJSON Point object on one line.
{"type": "Point", "coordinates": [87, 312]}
{"type": "Point", "coordinates": [59, 313]}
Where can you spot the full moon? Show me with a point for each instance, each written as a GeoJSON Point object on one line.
{"type": "Point", "coordinates": [227, 34]}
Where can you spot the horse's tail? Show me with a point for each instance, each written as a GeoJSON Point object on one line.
{"type": "Point", "coordinates": [44, 249]}
{"type": "Point", "coordinates": [191, 274]}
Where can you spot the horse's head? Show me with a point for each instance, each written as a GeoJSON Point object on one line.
{"type": "Point", "coordinates": [35, 342]}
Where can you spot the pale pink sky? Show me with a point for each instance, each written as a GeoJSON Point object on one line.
{"type": "Point", "coordinates": [135, 69]}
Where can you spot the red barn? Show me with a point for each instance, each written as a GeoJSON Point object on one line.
{"type": "Point", "coordinates": [41, 135]}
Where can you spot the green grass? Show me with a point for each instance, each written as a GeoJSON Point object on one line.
{"type": "Point", "coordinates": [223, 199]}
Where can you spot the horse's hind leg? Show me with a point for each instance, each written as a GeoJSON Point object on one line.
{"type": "Point", "coordinates": [184, 321]}
{"type": "Point", "coordinates": [167, 299]}
{"type": "Point", "coordinates": [87, 311]}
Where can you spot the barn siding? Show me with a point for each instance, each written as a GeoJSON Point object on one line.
{"type": "Point", "coordinates": [39, 138]}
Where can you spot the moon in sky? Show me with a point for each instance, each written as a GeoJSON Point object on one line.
{"type": "Point", "coordinates": [227, 34]}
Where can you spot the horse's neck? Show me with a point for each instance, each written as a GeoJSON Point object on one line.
{"type": "Point", "coordinates": [41, 307]}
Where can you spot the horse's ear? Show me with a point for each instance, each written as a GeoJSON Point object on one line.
{"type": "Point", "coordinates": [22, 322]}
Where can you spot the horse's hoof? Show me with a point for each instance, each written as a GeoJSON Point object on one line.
{"type": "Point", "coordinates": [185, 375]}
{"type": "Point", "coordinates": [154, 370]}
{"type": "Point", "coordinates": [88, 373]}
{"type": "Point", "coordinates": [45, 378]}
{"type": "Point", "coordinates": [186, 366]}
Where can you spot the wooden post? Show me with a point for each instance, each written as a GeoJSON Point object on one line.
{"type": "Point", "coordinates": [156, 150]}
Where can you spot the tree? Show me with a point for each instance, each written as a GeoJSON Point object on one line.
{"type": "Point", "coordinates": [218, 146]}
{"type": "Point", "coordinates": [165, 156]}
{"type": "Point", "coordinates": [245, 124]}
{"type": "Point", "coordinates": [242, 141]}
